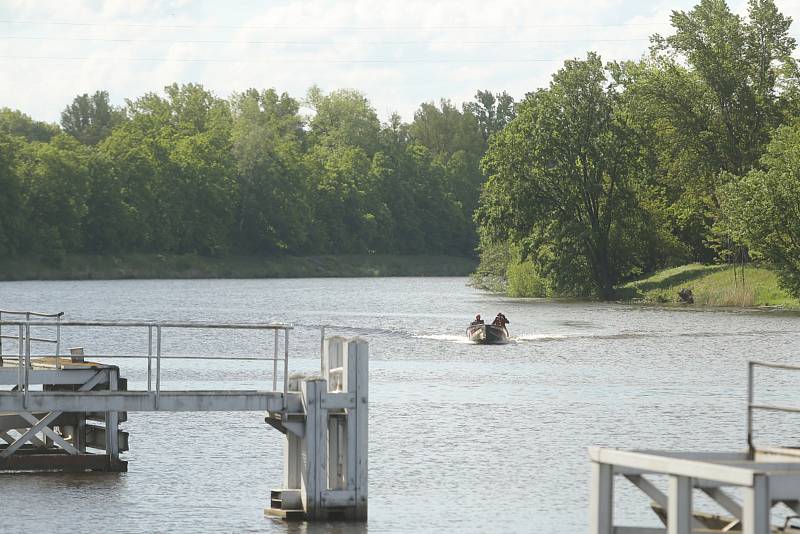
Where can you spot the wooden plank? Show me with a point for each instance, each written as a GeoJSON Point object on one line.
{"type": "Point", "coordinates": [725, 501]}
{"type": "Point", "coordinates": [142, 401]}
{"type": "Point", "coordinates": [358, 357]}
{"type": "Point", "coordinates": [96, 438]}
{"type": "Point", "coordinates": [655, 463]}
{"type": "Point", "coordinates": [61, 462]}
{"type": "Point", "coordinates": [338, 498]}
{"type": "Point", "coordinates": [338, 401]}
{"type": "Point", "coordinates": [337, 447]}
{"type": "Point", "coordinates": [315, 450]}
{"type": "Point", "coordinates": [679, 506]}
{"type": "Point", "coordinates": [112, 420]}
{"type": "Point", "coordinates": [601, 502]}
{"type": "Point", "coordinates": [8, 376]}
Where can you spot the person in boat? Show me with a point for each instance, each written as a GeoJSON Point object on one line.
{"type": "Point", "coordinates": [478, 319]}
{"type": "Point", "coordinates": [501, 320]}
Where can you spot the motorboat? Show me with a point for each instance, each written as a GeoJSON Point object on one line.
{"type": "Point", "coordinates": [487, 334]}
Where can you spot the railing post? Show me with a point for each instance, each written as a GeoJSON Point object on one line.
{"type": "Point", "coordinates": [601, 503]}
{"type": "Point", "coordinates": [750, 447]}
{"type": "Point", "coordinates": [27, 362]}
{"type": "Point", "coordinates": [322, 341]}
{"type": "Point", "coordinates": [1, 339]}
{"type": "Point", "coordinates": [158, 363]}
{"type": "Point", "coordinates": [58, 342]}
{"type": "Point", "coordinates": [285, 369]}
{"type": "Point", "coordinates": [21, 362]}
{"type": "Point", "coordinates": [150, 358]}
{"type": "Point", "coordinates": [275, 362]}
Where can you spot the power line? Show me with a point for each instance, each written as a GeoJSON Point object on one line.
{"type": "Point", "coordinates": [299, 60]}
{"type": "Point", "coordinates": [313, 43]}
{"type": "Point", "coordinates": [356, 28]}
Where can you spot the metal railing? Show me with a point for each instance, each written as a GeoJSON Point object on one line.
{"type": "Point", "coordinates": [28, 315]}
{"type": "Point", "coordinates": [751, 406]}
{"type": "Point", "coordinates": [154, 346]}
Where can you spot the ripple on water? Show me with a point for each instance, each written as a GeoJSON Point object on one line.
{"type": "Point", "coordinates": [450, 422]}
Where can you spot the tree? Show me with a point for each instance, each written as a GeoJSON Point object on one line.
{"type": "Point", "coordinates": [455, 142]}
{"type": "Point", "coordinates": [744, 64]}
{"type": "Point", "coordinates": [55, 187]}
{"type": "Point", "coordinates": [268, 139]}
{"type": "Point", "coordinates": [173, 161]}
{"type": "Point", "coordinates": [704, 103]}
{"type": "Point", "coordinates": [493, 112]}
{"type": "Point", "coordinates": [15, 122]}
{"type": "Point", "coordinates": [762, 209]}
{"type": "Point", "coordinates": [12, 219]}
{"type": "Point", "coordinates": [90, 119]}
{"type": "Point", "coordinates": [563, 181]}
{"type": "Point", "coordinates": [343, 117]}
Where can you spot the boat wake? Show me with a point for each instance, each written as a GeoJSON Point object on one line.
{"type": "Point", "coordinates": [542, 337]}
{"type": "Point", "coordinates": [446, 337]}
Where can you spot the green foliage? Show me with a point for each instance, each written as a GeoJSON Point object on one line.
{"type": "Point", "coordinates": [185, 172]}
{"type": "Point", "coordinates": [524, 280]}
{"type": "Point", "coordinates": [711, 285]}
{"type": "Point", "coordinates": [563, 181]}
{"type": "Point", "coordinates": [762, 209]}
{"type": "Point", "coordinates": [267, 143]}
{"type": "Point", "coordinates": [90, 119]}
{"type": "Point", "coordinates": [704, 104]}
{"type": "Point", "coordinates": [491, 272]}
{"type": "Point", "coordinates": [15, 122]}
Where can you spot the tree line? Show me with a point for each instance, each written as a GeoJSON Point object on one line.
{"type": "Point", "coordinates": [188, 172]}
{"type": "Point", "coordinates": [617, 169]}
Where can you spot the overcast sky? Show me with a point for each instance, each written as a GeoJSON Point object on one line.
{"type": "Point", "coordinates": [399, 53]}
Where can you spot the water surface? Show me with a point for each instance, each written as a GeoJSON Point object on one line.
{"type": "Point", "coordinates": [463, 437]}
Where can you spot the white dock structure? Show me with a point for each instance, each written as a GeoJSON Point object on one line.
{"type": "Point", "coordinates": [762, 477]}
{"type": "Point", "coordinates": [49, 404]}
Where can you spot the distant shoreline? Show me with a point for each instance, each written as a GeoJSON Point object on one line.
{"type": "Point", "coordinates": [174, 266]}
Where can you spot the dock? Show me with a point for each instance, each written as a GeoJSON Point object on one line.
{"type": "Point", "coordinates": [762, 477]}
{"type": "Point", "coordinates": [62, 412]}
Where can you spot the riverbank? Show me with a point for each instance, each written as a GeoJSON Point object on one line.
{"type": "Point", "coordinates": [711, 285]}
{"type": "Point", "coordinates": [141, 266]}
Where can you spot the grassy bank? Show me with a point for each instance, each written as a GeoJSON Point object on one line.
{"type": "Point", "coordinates": [711, 285]}
{"type": "Point", "coordinates": [87, 267]}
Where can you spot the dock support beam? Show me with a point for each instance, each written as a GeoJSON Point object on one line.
{"type": "Point", "coordinates": [325, 449]}
{"type": "Point", "coordinates": [601, 514]}
{"type": "Point", "coordinates": [679, 505]}
{"type": "Point", "coordinates": [755, 512]}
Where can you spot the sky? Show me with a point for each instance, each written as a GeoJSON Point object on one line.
{"type": "Point", "coordinates": [399, 53]}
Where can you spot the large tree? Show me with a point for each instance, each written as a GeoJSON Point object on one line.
{"type": "Point", "coordinates": [90, 119]}
{"type": "Point", "coordinates": [563, 182]}
{"type": "Point", "coordinates": [272, 205]}
{"type": "Point", "coordinates": [762, 209]}
{"type": "Point", "coordinates": [704, 104]}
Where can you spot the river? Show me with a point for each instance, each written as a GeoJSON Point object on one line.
{"type": "Point", "coordinates": [463, 438]}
